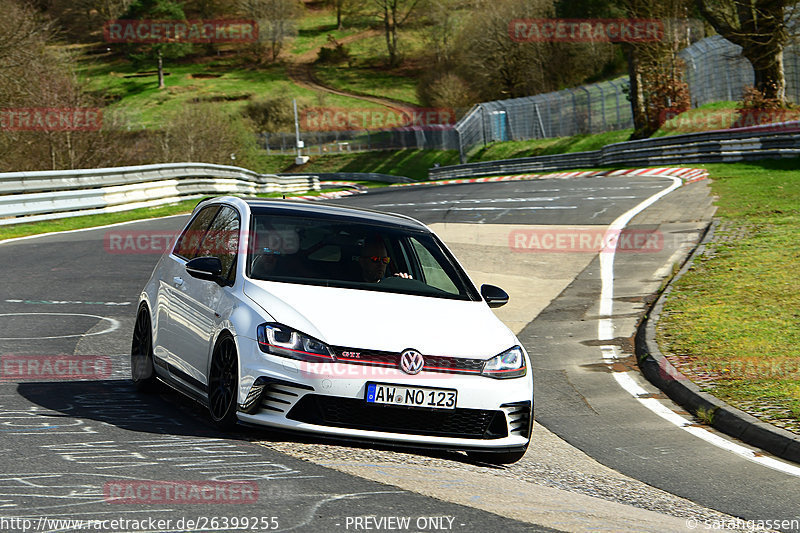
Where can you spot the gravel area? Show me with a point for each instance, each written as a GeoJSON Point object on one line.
{"type": "Point", "coordinates": [549, 462]}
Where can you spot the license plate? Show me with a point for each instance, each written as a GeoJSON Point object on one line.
{"type": "Point", "coordinates": [411, 396]}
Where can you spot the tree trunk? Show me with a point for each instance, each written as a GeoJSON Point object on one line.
{"type": "Point", "coordinates": [636, 94]}
{"type": "Point", "coordinates": [762, 33]}
{"type": "Point", "coordinates": [161, 84]}
{"type": "Point", "coordinates": [387, 28]}
{"type": "Point", "coordinates": [768, 70]}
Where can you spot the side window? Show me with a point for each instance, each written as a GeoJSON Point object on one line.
{"type": "Point", "coordinates": [432, 270]}
{"type": "Point", "coordinates": [192, 236]}
{"type": "Point", "coordinates": [222, 240]}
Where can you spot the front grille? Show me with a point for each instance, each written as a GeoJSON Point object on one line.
{"type": "Point", "coordinates": [354, 413]}
{"type": "Point", "coordinates": [453, 364]}
{"type": "Point", "coordinates": [433, 363]}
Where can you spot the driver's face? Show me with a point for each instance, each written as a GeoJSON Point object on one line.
{"type": "Point", "coordinates": [373, 271]}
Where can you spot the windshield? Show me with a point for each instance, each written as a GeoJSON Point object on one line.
{"type": "Point", "coordinates": [339, 253]}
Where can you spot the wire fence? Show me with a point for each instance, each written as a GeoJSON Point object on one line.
{"type": "Point", "coordinates": [430, 137]}
{"type": "Point", "coordinates": [715, 71]}
{"type": "Point", "coordinates": [587, 109]}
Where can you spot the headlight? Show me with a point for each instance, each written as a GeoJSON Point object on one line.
{"type": "Point", "coordinates": [280, 340]}
{"type": "Point", "coordinates": [509, 364]}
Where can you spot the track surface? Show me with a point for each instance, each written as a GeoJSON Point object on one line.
{"type": "Point", "coordinates": [64, 440]}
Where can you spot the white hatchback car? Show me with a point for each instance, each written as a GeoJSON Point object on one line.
{"type": "Point", "coordinates": [339, 321]}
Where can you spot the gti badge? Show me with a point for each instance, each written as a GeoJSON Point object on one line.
{"type": "Point", "coordinates": [411, 362]}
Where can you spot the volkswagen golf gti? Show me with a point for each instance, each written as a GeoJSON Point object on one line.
{"type": "Point", "coordinates": [343, 322]}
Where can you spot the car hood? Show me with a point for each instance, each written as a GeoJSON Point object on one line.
{"type": "Point", "coordinates": [384, 321]}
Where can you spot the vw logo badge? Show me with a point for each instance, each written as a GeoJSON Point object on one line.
{"type": "Point", "coordinates": [411, 362]}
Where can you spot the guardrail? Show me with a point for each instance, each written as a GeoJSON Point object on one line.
{"type": "Point", "coordinates": [355, 176]}
{"type": "Point", "coordinates": [35, 196]}
{"type": "Point", "coordinates": [722, 146]}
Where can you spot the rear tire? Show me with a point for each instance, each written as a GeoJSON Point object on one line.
{"type": "Point", "coordinates": [223, 384]}
{"type": "Point", "coordinates": [143, 372]}
{"type": "Point", "coordinates": [497, 458]}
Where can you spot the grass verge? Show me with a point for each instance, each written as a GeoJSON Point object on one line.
{"type": "Point", "coordinates": [93, 221]}
{"type": "Point", "coordinates": [104, 219]}
{"type": "Point", "coordinates": [551, 146]}
{"type": "Point", "coordinates": [733, 321]}
{"type": "Point", "coordinates": [411, 163]}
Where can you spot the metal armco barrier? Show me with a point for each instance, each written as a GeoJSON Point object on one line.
{"type": "Point", "coordinates": [34, 196]}
{"type": "Point", "coordinates": [355, 176]}
{"type": "Point", "coordinates": [771, 141]}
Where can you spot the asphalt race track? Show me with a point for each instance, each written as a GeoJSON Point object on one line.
{"type": "Point", "coordinates": [600, 460]}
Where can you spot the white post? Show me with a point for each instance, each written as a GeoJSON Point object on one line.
{"type": "Point", "coordinates": [300, 159]}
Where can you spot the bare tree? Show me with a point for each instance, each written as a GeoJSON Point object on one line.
{"type": "Point", "coordinates": [760, 27]}
{"type": "Point", "coordinates": [276, 22]}
{"type": "Point", "coordinates": [394, 14]}
{"type": "Point", "coordinates": [495, 65]}
{"type": "Point", "coordinates": [35, 77]}
{"type": "Point", "coordinates": [339, 7]}
{"type": "Point", "coordinates": [442, 25]}
{"type": "Point", "coordinates": [654, 70]}
{"type": "Point", "coordinates": [205, 133]}
{"type": "Point", "coordinates": [79, 20]}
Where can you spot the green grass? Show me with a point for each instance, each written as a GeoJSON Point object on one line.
{"type": "Point", "coordinates": [717, 115]}
{"type": "Point", "coordinates": [313, 30]}
{"type": "Point", "coordinates": [369, 74]}
{"type": "Point", "coordinates": [557, 145]}
{"type": "Point", "coordinates": [382, 83]}
{"type": "Point", "coordinates": [410, 163]}
{"type": "Point", "coordinates": [225, 82]}
{"type": "Point", "coordinates": [91, 221]}
{"type": "Point", "coordinates": [736, 313]}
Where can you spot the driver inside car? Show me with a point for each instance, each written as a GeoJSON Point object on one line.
{"type": "Point", "coordinates": [374, 259]}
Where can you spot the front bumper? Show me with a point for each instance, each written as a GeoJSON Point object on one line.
{"type": "Point", "coordinates": [329, 399]}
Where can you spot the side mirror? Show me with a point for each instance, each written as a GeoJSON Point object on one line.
{"type": "Point", "coordinates": [494, 296]}
{"type": "Point", "coordinates": [205, 268]}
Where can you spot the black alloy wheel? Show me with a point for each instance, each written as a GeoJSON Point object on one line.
{"type": "Point", "coordinates": [223, 384]}
{"type": "Point", "coordinates": [142, 369]}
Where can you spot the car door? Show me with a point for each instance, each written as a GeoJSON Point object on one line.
{"type": "Point", "coordinates": [172, 275]}
{"type": "Point", "coordinates": [196, 302]}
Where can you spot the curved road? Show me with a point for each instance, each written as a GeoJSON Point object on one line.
{"type": "Point", "coordinates": [75, 293]}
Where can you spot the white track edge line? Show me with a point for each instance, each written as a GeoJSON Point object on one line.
{"type": "Point", "coordinates": [605, 331]}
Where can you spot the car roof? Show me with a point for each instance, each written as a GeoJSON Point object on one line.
{"type": "Point", "coordinates": [316, 209]}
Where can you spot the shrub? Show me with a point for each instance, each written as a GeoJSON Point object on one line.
{"type": "Point", "coordinates": [335, 54]}
{"type": "Point", "coordinates": [270, 114]}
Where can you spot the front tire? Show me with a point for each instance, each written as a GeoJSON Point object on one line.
{"type": "Point", "coordinates": [223, 384]}
{"type": "Point", "coordinates": [142, 370]}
